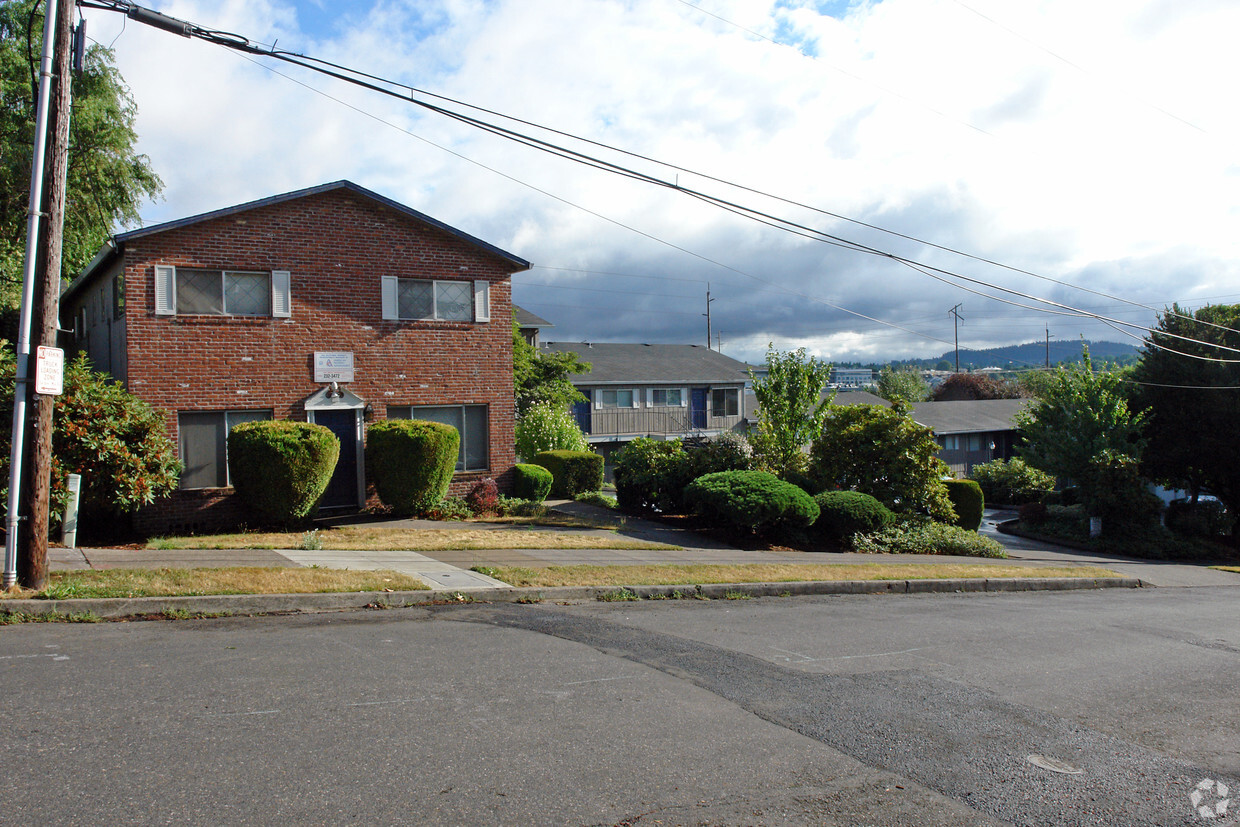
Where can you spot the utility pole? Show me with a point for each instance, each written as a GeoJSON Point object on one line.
{"type": "Point", "coordinates": [1048, 347]}
{"type": "Point", "coordinates": [956, 328]}
{"type": "Point", "coordinates": [27, 547]}
{"type": "Point", "coordinates": [707, 315]}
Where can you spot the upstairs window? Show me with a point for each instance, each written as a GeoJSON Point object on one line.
{"type": "Point", "coordinates": [194, 291]}
{"type": "Point", "coordinates": [667, 397]}
{"type": "Point", "coordinates": [615, 398]}
{"type": "Point", "coordinates": [430, 300]}
{"type": "Point", "coordinates": [725, 402]}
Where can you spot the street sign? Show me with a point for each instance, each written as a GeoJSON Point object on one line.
{"type": "Point", "coordinates": [49, 371]}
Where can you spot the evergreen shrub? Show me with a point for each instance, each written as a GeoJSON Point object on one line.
{"type": "Point", "coordinates": [642, 472]}
{"type": "Point", "coordinates": [750, 501]}
{"type": "Point", "coordinates": [572, 472]}
{"type": "Point", "coordinates": [281, 468]}
{"type": "Point", "coordinates": [531, 482]}
{"type": "Point", "coordinates": [968, 502]}
{"type": "Point", "coordinates": [1205, 518]}
{"type": "Point", "coordinates": [1011, 482]}
{"type": "Point", "coordinates": [411, 463]}
{"type": "Point", "coordinates": [842, 514]}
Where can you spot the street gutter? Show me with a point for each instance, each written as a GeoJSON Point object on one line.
{"type": "Point", "coordinates": [119, 608]}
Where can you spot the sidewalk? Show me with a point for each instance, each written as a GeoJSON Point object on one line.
{"type": "Point", "coordinates": [449, 570]}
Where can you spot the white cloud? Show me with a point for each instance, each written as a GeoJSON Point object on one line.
{"type": "Point", "coordinates": [1087, 142]}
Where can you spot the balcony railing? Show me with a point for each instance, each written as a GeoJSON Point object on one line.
{"type": "Point", "coordinates": [653, 422]}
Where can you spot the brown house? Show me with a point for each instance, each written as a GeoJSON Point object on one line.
{"type": "Point", "coordinates": [332, 305]}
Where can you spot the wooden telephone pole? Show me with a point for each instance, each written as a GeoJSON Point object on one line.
{"type": "Point", "coordinates": [44, 306]}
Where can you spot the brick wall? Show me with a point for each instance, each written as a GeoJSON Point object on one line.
{"type": "Point", "coordinates": [337, 244]}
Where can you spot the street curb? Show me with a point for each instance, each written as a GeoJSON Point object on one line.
{"type": "Point", "coordinates": [260, 604]}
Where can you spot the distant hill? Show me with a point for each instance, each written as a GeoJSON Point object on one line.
{"type": "Point", "coordinates": [1033, 354]}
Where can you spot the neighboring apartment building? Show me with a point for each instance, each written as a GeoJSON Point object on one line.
{"type": "Point", "coordinates": [851, 378]}
{"type": "Point", "coordinates": [658, 391]}
{"type": "Point", "coordinates": [332, 305]}
{"type": "Point", "coordinates": [971, 432]}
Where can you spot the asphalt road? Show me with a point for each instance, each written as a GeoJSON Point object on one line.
{"type": "Point", "coordinates": [866, 710]}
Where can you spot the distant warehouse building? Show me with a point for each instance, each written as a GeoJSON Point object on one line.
{"type": "Point", "coordinates": [852, 377]}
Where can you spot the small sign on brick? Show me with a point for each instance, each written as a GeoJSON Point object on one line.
{"type": "Point", "coordinates": [333, 366]}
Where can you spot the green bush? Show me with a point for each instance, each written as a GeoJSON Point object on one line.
{"type": "Point", "coordinates": [968, 502]}
{"type": "Point", "coordinates": [531, 482]}
{"type": "Point", "coordinates": [927, 537]}
{"type": "Point", "coordinates": [1011, 482]}
{"type": "Point", "coordinates": [803, 481]}
{"type": "Point", "coordinates": [411, 463]}
{"type": "Point", "coordinates": [281, 468]}
{"type": "Point", "coordinates": [1205, 518]}
{"type": "Point", "coordinates": [548, 427]}
{"type": "Point", "coordinates": [750, 501]}
{"type": "Point", "coordinates": [597, 498]}
{"type": "Point", "coordinates": [641, 473]}
{"type": "Point", "coordinates": [572, 472]}
{"type": "Point", "coordinates": [842, 514]}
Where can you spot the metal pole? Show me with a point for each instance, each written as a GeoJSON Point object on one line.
{"type": "Point", "coordinates": [22, 388]}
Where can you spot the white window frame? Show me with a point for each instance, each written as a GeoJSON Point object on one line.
{"type": "Point", "coordinates": [728, 393]}
{"type": "Point", "coordinates": [411, 412]}
{"type": "Point", "coordinates": [599, 402]}
{"type": "Point", "coordinates": [389, 291]}
{"type": "Point", "coordinates": [280, 292]}
{"type": "Point", "coordinates": [653, 397]}
{"type": "Point", "coordinates": [230, 418]}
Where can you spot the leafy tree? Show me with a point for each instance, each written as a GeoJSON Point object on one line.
{"type": "Point", "coordinates": [107, 180]}
{"type": "Point", "coordinates": [792, 408]}
{"type": "Point", "coordinates": [967, 386]}
{"type": "Point", "coordinates": [1083, 430]}
{"type": "Point", "coordinates": [117, 442]}
{"type": "Point", "coordinates": [902, 385]}
{"type": "Point", "coordinates": [1193, 438]}
{"type": "Point", "coordinates": [882, 452]}
{"type": "Point", "coordinates": [1035, 383]}
{"type": "Point", "coordinates": [541, 378]}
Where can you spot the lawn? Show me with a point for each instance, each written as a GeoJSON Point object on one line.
{"type": "Point", "coordinates": [65, 585]}
{"type": "Point", "coordinates": [687, 575]}
{"type": "Point", "coordinates": [378, 538]}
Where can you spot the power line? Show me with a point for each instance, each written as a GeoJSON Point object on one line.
{"type": "Point", "coordinates": [355, 77]}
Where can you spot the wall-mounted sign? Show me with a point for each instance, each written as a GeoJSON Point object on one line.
{"type": "Point", "coordinates": [333, 366]}
{"type": "Point", "coordinates": [49, 371]}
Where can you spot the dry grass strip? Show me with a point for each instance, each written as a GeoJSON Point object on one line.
{"type": "Point", "coordinates": [368, 538]}
{"type": "Point", "coordinates": [1236, 569]}
{"type": "Point", "coordinates": [687, 575]}
{"type": "Point", "coordinates": [64, 585]}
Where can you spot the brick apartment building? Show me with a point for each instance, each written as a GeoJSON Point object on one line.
{"type": "Point", "coordinates": [332, 305]}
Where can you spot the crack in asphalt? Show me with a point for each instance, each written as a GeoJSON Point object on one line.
{"type": "Point", "coordinates": [966, 743]}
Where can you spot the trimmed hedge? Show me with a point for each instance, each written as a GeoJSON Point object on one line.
{"type": "Point", "coordinates": [411, 462]}
{"type": "Point", "coordinates": [967, 500]}
{"type": "Point", "coordinates": [280, 468]}
{"type": "Point", "coordinates": [1011, 482]}
{"type": "Point", "coordinates": [572, 472]}
{"type": "Point", "coordinates": [752, 501]}
{"type": "Point", "coordinates": [842, 514]}
{"type": "Point", "coordinates": [652, 475]}
{"type": "Point", "coordinates": [531, 482]}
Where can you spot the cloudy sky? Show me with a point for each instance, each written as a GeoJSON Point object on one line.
{"type": "Point", "coordinates": [1069, 144]}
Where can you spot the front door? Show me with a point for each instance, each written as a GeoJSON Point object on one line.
{"type": "Point", "coordinates": [697, 407]}
{"type": "Point", "coordinates": [581, 410]}
{"type": "Point", "coordinates": [342, 490]}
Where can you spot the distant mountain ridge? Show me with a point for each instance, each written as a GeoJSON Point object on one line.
{"type": "Point", "coordinates": [1034, 354]}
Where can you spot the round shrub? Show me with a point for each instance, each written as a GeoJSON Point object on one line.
{"type": "Point", "coordinates": [531, 482]}
{"type": "Point", "coordinates": [750, 501]}
{"type": "Point", "coordinates": [548, 428]}
{"type": "Point", "coordinates": [572, 472]}
{"type": "Point", "coordinates": [1011, 482]}
{"type": "Point", "coordinates": [801, 480]}
{"type": "Point", "coordinates": [483, 497]}
{"type": "Point", "coordinates": [280, 469]}
{"type": "Point", "coordinates": [411, 462]}
{"type": "Point", "coordinates": [968, 502]}
{"type": "Point", "coordinates": [841, 514]}
{"type": "Point", "coordinates": [642, 473]}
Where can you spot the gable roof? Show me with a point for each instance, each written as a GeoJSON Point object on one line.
{"type": "Point", "coordinates": [527, 319]}
{"type": "Point", "coordinates": [639, 364]}
{"type": "Point", "coordinates": [114, 245]}
{"type": "Point", "coordinates": [969, 416]}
